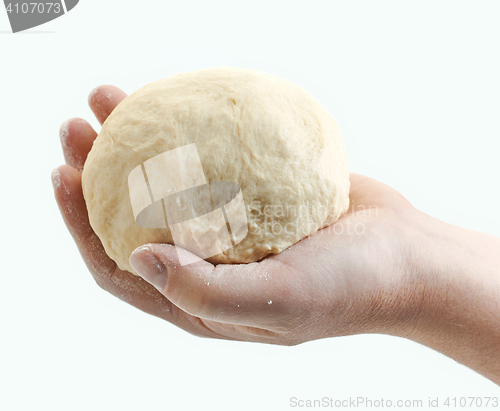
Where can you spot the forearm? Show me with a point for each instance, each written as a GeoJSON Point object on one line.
{"type": "Point", "coordinates": [456, 311]}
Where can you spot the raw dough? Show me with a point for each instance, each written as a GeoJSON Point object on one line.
{"type": "Point", "coordinates": [281, 146]}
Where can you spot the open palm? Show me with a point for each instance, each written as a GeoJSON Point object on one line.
{"type": "Point", "coordinates": [331, 283]}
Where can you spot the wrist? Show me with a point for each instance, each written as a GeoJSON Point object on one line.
{"type": "Point", "coordinates": [450, 293]}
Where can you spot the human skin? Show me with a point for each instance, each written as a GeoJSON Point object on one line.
{"type": "Point", "coordinates": [384, 267]}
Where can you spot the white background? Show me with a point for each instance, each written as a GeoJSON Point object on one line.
{"type": "Point", "coordinates": [415, 87]}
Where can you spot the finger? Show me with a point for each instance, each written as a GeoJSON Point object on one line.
{"type": "Point", "coordinates": [104, 99]}
{"type": "Point", "coordinates": [122, 284]}
{"type": "Point", "coordinates": [264, 294]}
{"type": "Point", "coordinates": [77, 137]}
{"type": "Point", "coordinates": [69, 196]}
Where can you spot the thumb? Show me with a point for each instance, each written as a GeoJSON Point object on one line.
{"type": "Point", "coordinates": [255, 294]}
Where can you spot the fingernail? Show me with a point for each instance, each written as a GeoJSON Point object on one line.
{"type": "Point", "coordinates": [149, 267]}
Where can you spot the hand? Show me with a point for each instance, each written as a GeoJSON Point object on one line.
{"type": "Point", "coordinates": [384, 267]}
{"type": "Point", "coordinates": [325, 285]}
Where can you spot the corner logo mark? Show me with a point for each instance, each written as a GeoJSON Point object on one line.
{"type": "Point", "coordinates": [170, 190]}
{"type": "Point", "coordinates": [24, 15]}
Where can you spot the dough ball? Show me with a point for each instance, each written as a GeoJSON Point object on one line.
{"type": "Point", "coordinates": [271, 137]}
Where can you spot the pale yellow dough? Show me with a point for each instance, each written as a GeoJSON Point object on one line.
{"type": "Point", "coordinates": [281, 146]}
